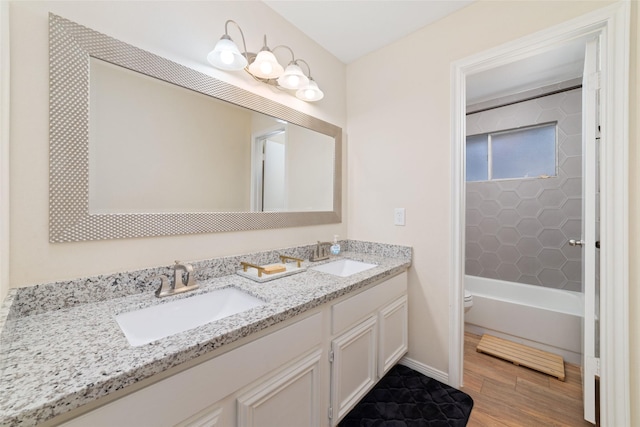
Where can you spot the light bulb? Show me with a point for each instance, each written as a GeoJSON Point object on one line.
{"type": "Point", "coordinates": [226, 57]}
{"type": "Point", "coordinates": [309, 93]}
{"type": "Point", "coordinates": [266, 67]}
{"type": "Point", "coordinates": [293, 80]}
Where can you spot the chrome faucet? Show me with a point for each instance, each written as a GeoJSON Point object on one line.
{"type": "Point", "coordinates": [179, 285]}
{"type": "Point", "coordinates": [321, 251]}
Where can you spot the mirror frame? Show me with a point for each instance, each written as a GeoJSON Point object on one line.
{"type": "Point", "coordinates": [70, 48]}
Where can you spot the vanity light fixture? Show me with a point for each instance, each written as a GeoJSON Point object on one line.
{"type": "Point", "coordinates": [264, 66]}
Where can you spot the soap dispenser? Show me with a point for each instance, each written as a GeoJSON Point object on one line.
{"type": "Point", "coordinates": [335, 248]}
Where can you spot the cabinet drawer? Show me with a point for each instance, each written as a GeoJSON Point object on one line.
{"type": "Point", "coordinates": [350, 311]}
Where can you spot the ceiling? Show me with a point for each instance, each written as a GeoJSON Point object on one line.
{"type": "Point", "coordinates": [350, 29]}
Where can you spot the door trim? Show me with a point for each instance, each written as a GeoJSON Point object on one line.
{"type": "Point", "coordinates": [612, 23]}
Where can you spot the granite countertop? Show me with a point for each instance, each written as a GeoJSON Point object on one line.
{"type": "Point", "coordinates": [54, 361]}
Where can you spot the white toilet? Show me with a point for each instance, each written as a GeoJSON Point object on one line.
{"type": "Point", "coordinates": [468, 300]}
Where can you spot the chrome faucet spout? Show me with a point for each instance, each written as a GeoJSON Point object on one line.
{"type": "Point", "coordinates": [321, 251]}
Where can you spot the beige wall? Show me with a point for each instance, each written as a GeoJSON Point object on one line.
{"type": "Point", "coordinates": [184, 32]}
{"type": "Point", "coordinates": [399, 152]}
{"type": "Point", "coordinates": [634, 215]}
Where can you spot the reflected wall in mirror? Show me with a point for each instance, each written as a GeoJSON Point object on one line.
{"type": "Point", "coordinates": [142, 146]}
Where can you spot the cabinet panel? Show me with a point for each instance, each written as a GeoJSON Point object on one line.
{"type": "Point", "coordinates": [289, 398]}
{"type": "Point", "coordinates": [354, 367]}
{"type": "Point", "coordinates": [174, 399]}
{"type": "Point", "coordinates": [210, 417]}
{"type": "Point", "coordinates": [393, 327]}
{"type": "Point", "coordinates": [351, 311]}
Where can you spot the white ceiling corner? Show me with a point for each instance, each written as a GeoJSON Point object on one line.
{"type": "Point", "coordinates": [350, 29]}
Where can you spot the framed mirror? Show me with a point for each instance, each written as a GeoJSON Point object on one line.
{"type": "Point", "coordinates": [142, 146]}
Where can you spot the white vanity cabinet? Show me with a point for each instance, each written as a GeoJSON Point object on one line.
{"type": "Point", "coordinates": [369, 337]}
{"type": "Point", "coordinates": [206, 394]}
{"type": "Point", "coordinates": [326, 358]}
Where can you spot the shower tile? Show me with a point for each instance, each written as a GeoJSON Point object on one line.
{"type": "Point", "coordinates": [529, 265]}
{"type": "Point", "coordinates": [474, 217]}
{"type": "Point", "coordinates": [508, 199]}
{"type": "Point", "coordinates": [552, 101]}
{"type": "Point", "coordinates": [528, 188]}
{"type": "Point", "coordinates": [472, 250]}
{"type": "Point", "coordinates": [489, 225]}
{"type": "Point", "coordinates": [490, 274]}
{"type": "Point", "coordinates": [508, 272]}
{"type": "Point", "coordinates": [552, 238]}
{"type": "Point", "coordinates": [551, 182]}
{"type": "Point", "coordinates": [527, 112]}
{"type": "Point", "coordinates": [552, 217]}
{"type": "Point", "coordinates": [529, 208]}
{"type": "Point", "coordinates": [552, 278]}
{"type": "Point", "coordinates": [553, 198]}
{"type": "Point", "coordinates": [508, 184]}
{"type": "Point", "coordinates": [508, 235]}
{"type": "Point", "coordinates": [488, 121]}
{"type": "Point", "coordinates": [489, 261]}
{"type": "Point", "coordinates": [573, 270]}
{"type": "Point", "coordinates": [529, 280]}
{"type": "Point", "coordinates": [508, 254]}
{"type": "Point", "coordinates": [529, 227]}
{"type": "Point", "coordinates": [573, 208]}
{"type": "Point", "coordinates": [489, 243]}
{"type": "Point", "coordinates": [552, 258]}
{"type": "Point", "coordinates": [551, 115]}
{"type": "Point", "coordinates": [572, 102]}
{"type": "Point", "coordinates": [572, 124]}
{"type": "Point", "coordinates": [508, 217]}
{"type": "Point", "coordinates": [490, 208]}
{"type": "Point", "coordinates": [572, 145]}
{"type": "Point", "coordinates": [474, 199]}
{"type": "Point", "coordinates": [472, 233]}
{"type": "Point", "coordinates": [572, 187]}
{"type": "Point", "coordinates": [572, 167]}
{"type": "Point", "coordinates": [489, 191]}
{"type": "Point", "coordinates": [573, 286]}
{"type": "Point", "coordinates": [572, 229]}
{"type": "Point", "coordinates": [529, 247]}
{"type": "Point", "coordinates": [472, 267]}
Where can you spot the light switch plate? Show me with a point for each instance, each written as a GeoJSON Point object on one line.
{"type": "Point", "coordinates": [398, 216]}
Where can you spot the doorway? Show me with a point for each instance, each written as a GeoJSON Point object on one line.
{"type": "Point", "coordinates": [269, 172]}
{"type": "Point", "coordinates": [611, 25]}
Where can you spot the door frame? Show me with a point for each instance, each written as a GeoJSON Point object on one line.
{"type": "Point", "coordinates": [612, 23]}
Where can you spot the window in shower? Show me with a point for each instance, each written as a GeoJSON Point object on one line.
{"type": "Point", "coordinates": [527, 152]}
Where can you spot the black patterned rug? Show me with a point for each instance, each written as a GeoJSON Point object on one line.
{"type": "Point", "coordinates": [406, 398]}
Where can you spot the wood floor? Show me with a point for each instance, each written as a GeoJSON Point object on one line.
{"type": "Point", "coordinates": [508, 395]}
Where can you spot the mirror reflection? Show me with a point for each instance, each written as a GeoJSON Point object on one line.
{"type": "Point", "coordinates": [156, 147]}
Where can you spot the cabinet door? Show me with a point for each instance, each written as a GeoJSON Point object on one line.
{"type": "Point", "coordinates": [289, 398]}
{"type": "Point", "coordinates": [353, 370]}
{"type": "Point", "coordinates": [393, 334]}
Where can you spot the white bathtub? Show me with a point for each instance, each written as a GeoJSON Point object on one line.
{"type": "Point", "coordinates": [544, 318]}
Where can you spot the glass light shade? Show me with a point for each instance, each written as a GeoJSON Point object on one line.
{"type": "Point", "coordinates": [226, 55]}
{"type": "Point", "coordinates": [311, 92]}
{"type": "Point", "coordinates": [266, 66]}
{"type": "Point", "coordinates": [293, 78]}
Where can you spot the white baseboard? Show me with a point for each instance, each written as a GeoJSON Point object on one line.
{"type": "Point", "coordinates": [434, 373]}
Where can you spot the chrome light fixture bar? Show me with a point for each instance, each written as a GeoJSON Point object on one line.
{"type": "Point", "coordinates": [264, 66]}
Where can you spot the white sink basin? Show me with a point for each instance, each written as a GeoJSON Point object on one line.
{"type": "Point", "coordinates": [343, 267]}
{"type": "Point", "coordinates": [159, 321]}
